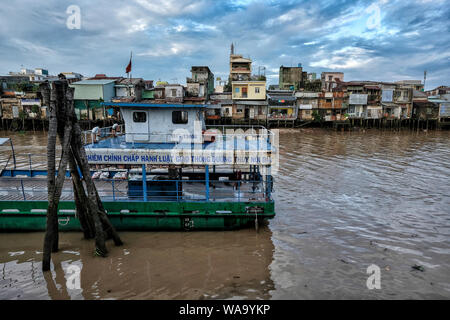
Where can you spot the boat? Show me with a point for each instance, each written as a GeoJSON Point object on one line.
{"type": "Point", "coordinates": [164, 169]}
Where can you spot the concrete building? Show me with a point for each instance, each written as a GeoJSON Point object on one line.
{"type": "Point", "coordinates": [307, 103]}
{"type": "Point", "coordinates": [174, 93]}
{"type": "Point", "coordinates": [72, 77]}
{"type": "Point", "coordinates": [240, 67]}
{"type": "Point", "coordinates": [423, 109]}
{"type": "Point", "coordinates": [443, 101]}
{"type": "Point", "coordinates": [38, 74]}
{"type": "Point", "coordinates": [414, 84]}
{"type": "Point", "coordinates": [225, 102]}
{"type": "Point", "coordinates": [330, 80]}
{"type": "Point", "coordinates": [130, 89]}
{"type": "Point", "coordinates": [312, 76]}
{"type": "Point", "coordinates": [291, 78]}
{"type": "Point", "coordinates": [332, 106]}
{"type": "Point", "coordinates": [249, 100]}
{"type": "Point", "coordinates": [438, 91]}
{"type": "Point", "coordinates": [201, 82]}
{"type": "Point", "coordinates": [249, 90]}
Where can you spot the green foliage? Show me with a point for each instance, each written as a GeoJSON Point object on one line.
{"type": "Point", "coordinates": [23, 115]}
{"type": "Point", "coordinates": [23, 86]}
{"type": "Point", "coordinates": [36, 109]}
{"type": "Point", "coordinates": [228, 87]}
{"type": "Point", "coordinates": [314, 86]}
{"type": "Point", "coordinates": [316, 116]}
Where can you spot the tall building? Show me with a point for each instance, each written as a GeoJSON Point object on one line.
{"type": "Point", "coordinates": [248, 92]}
{"type": "Point", "coordinates": [240, 67]}
{"type": "Point", "coordinates": [292, 78]}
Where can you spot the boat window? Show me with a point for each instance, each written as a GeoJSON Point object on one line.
{"type": "Point", "coordinates": [139, 117]}
{"type": "Point", "coordinates": [179, 117]}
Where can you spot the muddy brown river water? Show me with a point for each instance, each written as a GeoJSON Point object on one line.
{"type": "Point", "coordinates": [344, 201]}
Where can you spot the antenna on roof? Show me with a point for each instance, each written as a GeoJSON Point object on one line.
{"type": "Point", "coordinates": [424, 78]}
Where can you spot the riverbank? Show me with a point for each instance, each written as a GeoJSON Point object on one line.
{"type": "Point", "coordinates": [31, 125]}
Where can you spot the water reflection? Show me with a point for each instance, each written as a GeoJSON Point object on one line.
{"type": "Point", "coordinates": [347, 200]}
{"type": "Point", "coordinates": [161, 265]}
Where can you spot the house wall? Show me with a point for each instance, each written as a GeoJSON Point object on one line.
{"type": "Point", "coordinates": [305, 114]}
{"type": "Point", "coordinates": [425, 113]}
{"type": "Point", "coordinates": [328, 79]}
{"type": "Point", "coordinates": [88, 92]}
{"type": "Point", "coordinates": [238, 112]}
{"type": "Point", "coordinates": [11, 108]}
{"type": "Point", "coordinates": [159, 123]}
{"type": "Point", "coordinates": [148, 94]}
{"type": "Point", "coordinates": [109, 92]}
{"type": "Point", "coordinates": [94, 91]}
{"type": "Point", "coordinates": [291, 77]}
{"type": "Point", "coordinates": [444, 110]}
{"type": "Point", "coordinates": [124, 92]}
{"type": "Point", "coordinates": [237, 90]}
{"type": "Point", "coordinates": [227, 111]}
{"type": "Point", "coordinates": [179, 93]}
{"type": "Point", "coordinates": [193, 89]}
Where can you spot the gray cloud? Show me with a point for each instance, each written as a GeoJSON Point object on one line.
{"type": "Point", "coordinates": [167, 37]}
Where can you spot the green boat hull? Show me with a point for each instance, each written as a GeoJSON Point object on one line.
{"type": "Point", "coordinates": [25, 216]}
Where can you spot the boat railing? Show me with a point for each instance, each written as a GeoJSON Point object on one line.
{"type": "Point", "coordinates": [26, 162]}
{"type": "Point", "coordinates": [34, 189]}
{"type": "Point", "coordinates": [89, 136]}
{"type": "Point", "coordinates": [244, 127]}
{"type": "Point", "coordinates": [207, 136]}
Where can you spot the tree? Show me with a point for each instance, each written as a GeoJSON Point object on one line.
{"type": "Point", "coordinates": [23, 86]}
{"type": "Point", "coordinates": [316, 116]}
{"type": "Point", "coordinates": [314, 86]}
{"type": "Point", "coordinates": [63, 124]}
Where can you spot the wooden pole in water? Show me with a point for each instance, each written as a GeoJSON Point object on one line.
{"type": "Point", "coordinates": [52, 227]}
{"type": "Point", "coordinates": [93, 219]}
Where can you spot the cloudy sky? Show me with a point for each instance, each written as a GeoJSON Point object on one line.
{"type": "Point", "coordinates": [367, 40]}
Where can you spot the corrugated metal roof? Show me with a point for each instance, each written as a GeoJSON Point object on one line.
{"type": "Point", "coordinates": [372, 87]}
{"type": "Point", "coordinates": [425, 104]}
{"type": "Point", "coordinates": [390, 104]}
{"type": "Point", "coordinates": [251, 103]}
{"type": "Point", "coordinates": [93, 82]}
{"type": "Point", "coordinates": [279, 97]}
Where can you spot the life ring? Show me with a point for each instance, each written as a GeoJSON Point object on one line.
{"type": "Point", "coordinates": [63, 222]}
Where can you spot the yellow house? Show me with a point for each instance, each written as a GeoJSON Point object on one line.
{"type": "Point", "coordinates": [249, 90]}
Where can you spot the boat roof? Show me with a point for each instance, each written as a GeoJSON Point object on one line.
{"type": "Point", "coordinates": [93, 82]}
{"type": "Point", "coordinates": [154, 105]}
{"type": "Point", "coordinates": [3, 141]}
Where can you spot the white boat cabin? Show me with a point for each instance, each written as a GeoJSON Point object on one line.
{"type": "Point", "coordinates": [161, 123]}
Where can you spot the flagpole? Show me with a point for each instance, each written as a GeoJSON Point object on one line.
{"type": "Point", "coordinates": [129, 74]}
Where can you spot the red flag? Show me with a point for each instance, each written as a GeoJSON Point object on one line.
{"type": "Point", "coordinates": [128, 69]}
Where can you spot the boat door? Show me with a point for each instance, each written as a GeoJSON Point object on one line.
{"type": "Point", "coordinates": [141, 126]}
